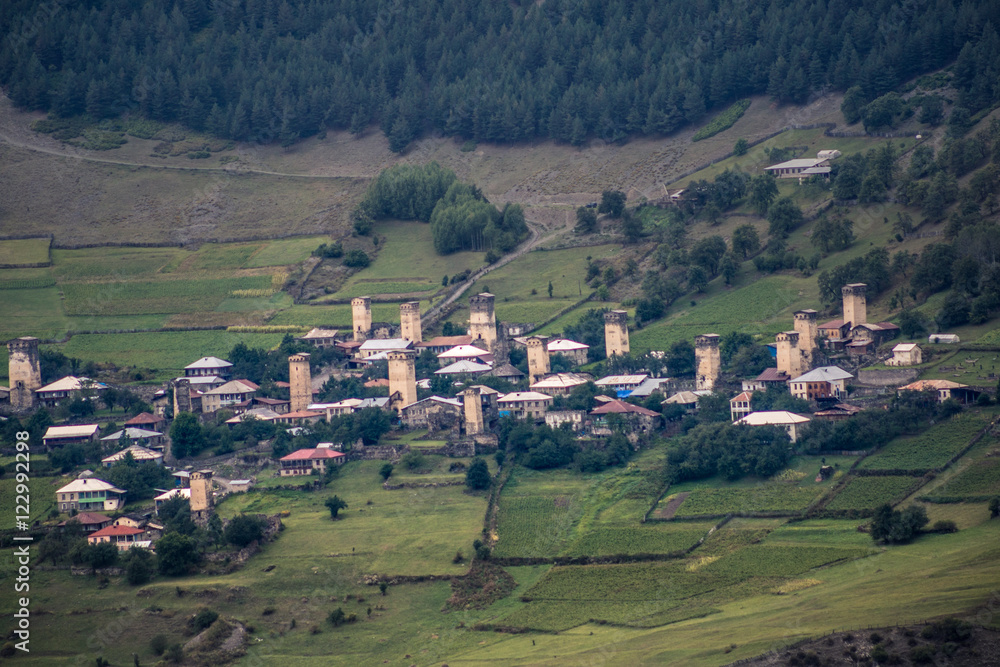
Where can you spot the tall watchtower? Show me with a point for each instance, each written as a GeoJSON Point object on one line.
{"type": "Point", "coordinates": [708, 361]}
{"type": "Point", "coordinates": [202, 501]}
{"type": "Point", "coordinates": [25, 372]}
{"type": "Point", "coordinates": [483, 319]}
{"type": "Point", "coordinates": [538, 359]}
{"type": "Point", "coordinates": [299, 381]}
{"type": "Point", "coordinates": [403, 377]}
{"type": "Point", "coordinates": [855, 303]}
{"type": "Point", "coordinates": [361, 314]}
{"type": "Point", "coordinates": [805, 325]}
{"type": "Point", "coordinates": [789, 357]}
{"type": "Point", "coordinates": [616, 333]}
{"type": "Point", "coordinates": [473, 404]}
{"type": "Point", "coordinates": [409, 322]}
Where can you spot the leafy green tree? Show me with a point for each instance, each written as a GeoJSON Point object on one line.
{"type": "Point", "coordinates": [853, 104]}
{"type": "Point", "coordinates": [745, 241]}
{"type": "Point", "coordinates": [912, 322]}
{"type": "Point", "coordinates": [728, 268]}
{"type": "Point", "coordinates": [631, 227]}
{"type": "Point", "coordinates": [586, 220]}
{"type": "Point", "coordinates": [612, 203]}
{"type": "Point", "coordinates": [741, 147]}
{"type": "Point", "coordinates": [882, 111]}
{"type": "Point", "coordinates": [244, 529]}
{"type": "Point", "coordinates": [832, 234]}
{"type": "Point", "coordinates": [783, 217]}
{"type": "Point", "coordinates": [138, 566]}
{"type": "Point", "coordinates": [176, 554]}
{"type": "Point", "coordinates": [186, 438]}
{"type": "Point", "coordinates": [707, 253]}
{"type": "Point", "coordinates": [335, 504]}
{"type": "Point", "coordinates": [995, 507]}
{"type": "Point", "coordinates": [697, 278]}
{"type": "Point", "coordinates": [478, 475]}
{"type": "Point", "coordinates": [385, 471]}
{"type": "Point", "coordinates": [763, 191]}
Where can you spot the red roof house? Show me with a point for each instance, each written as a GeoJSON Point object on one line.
{"type": "Point", "coordinates": [305, 461]}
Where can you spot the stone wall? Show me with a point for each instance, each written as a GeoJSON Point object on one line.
{"type": "Point", "coordinates": [888, 378]}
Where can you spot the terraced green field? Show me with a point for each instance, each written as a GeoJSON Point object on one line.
{"type": "Point", "coordinates": [867, 493]}
{"type": "Point", "coordinates": [764, 498]}
{"type": "Point", "coordinates": [24, 251]}
{"type": "Point", "coordinates": [931, 449]}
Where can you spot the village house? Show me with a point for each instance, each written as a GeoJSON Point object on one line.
{"type": "Point", "coordinates": [506, 372]}
{"type": "Point", "coordinates": [68, 387]}
{"type": "Point", "coordinates": [90, 494]}
{"type": "Point", "coordinates": [464, 367]}
{"type": "Point", "coordinates": [299, 417]}
{"type": "Point", "coordinates": [440, 344]}
{"type": "Point", "coordinates": [837, 412]}
{"type": "Point", "coordinates": [77, 434]}
{"type": "Point", "coordinates": [465, 353]}
{"type": "Point", "coordinates": [638, 417]}
{"type": "Point", "coordinates": [183, 492]}
{"type": "Point", "coordinates": [320, 338]}
{"type": "Point", "coordinates": [944, 389]}
{"type": "Point", "coordinates": [771, 377]}
{"type": "Point", "coordinates": [789, 421]}
{"type": "Point", "coordinates": [802, 168]}
{"type": "Point", "coordinates": [123, 537]}
{"type": "Point", "coordinates": [150, 439]}
{"type": "Point", "coordinates": [374, 346]}
{"type": "Point", "coordinates": [943, 338]}
{"type": "Point", "coordinates": [305, 461]}
{"type": "Point", "coordinates": [905, 354]}
{"type": "Point", "coordinates": [575, 352]}
{"type": "Point", "coordinates": [529, 405]}
{"type": "Point", "coordinates": [865, 338]}
{"type": "Point", "coordinates": [826, 382]}
{"type": "Point", "coordinates": [207, 372]}
{"type": "Point", "coordinates": [263, 414]}
{"type": "Point", "coordinates": [227, 395]}
{"type": "Point", "coordinates": [89, 521]}
{"type": "Point", "coordinates": [434, 413]}
{"type": "Point", "coordinates": [240, 485]}
{"type": "Point", "coordinates": [687, 399]}
{"type": "Point", "coordinates": [139, 454]}
{"type": "Point", "coordinates": [835, 333]}
{"type": "Point", "coordinates": [739, 406]}
{"type": "Point", "coordinates": [560, 384]}
{"type": "Point", "coordinates": [648, 387]}
{"type": "Point", "coordinates": [575, 418]}
{"type": "Point", "coordinates": [622, 384]}
{"type": "Point", "coordinates": [279, 405]}
{"type": "Point", "coordinates": [147, 421]}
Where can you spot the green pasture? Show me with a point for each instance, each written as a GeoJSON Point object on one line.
{"type": "Point", "coordinates": [867, 493]}
{"type": "Point", "coordinates": [166, 351]}
{"type": "Point", "coordinates": [154, 297]}
{"type": "Point", "coordinates": [565, 269]}
{"type": "Point", "coordinates": [437, 469]}
{"type": "Point", "coordinates": [121, 263]}
{"type": "Point", "coordinates": [42, 496]}
{"type": "Point", "coordinates": [976, 476]}
{"type": "Point", "coordinates": [931, 449]}
{"type": "Point", "coordinates": [24, 251]}
{"type": "Point", "coordinates": [282, 252]}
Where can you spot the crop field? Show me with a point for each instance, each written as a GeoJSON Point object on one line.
{"type": "Point", "coordinates": [565, 269]}
{"type": "Point", "coordinates": [645, 538]}
{"type": "Point", "coordinates": [867, 493]}
{"type": "Point", "coordinates": [531, 311]}
{"type": "Point", "coordinates": [165, 351]}
{"type": "Point", "coordinates": [979, 480]}
{"type": "Point", "coordinates": [538, 512]}
{"type": "Point", "coordinates": [24, 251]}
{"type": "Point", "coordinates": [282, 252]}
{"type": "Point", "coordinates": [764, 498]}
{"type": "Point", "coordinates": [150, 298]}
{"type": "Point", "coordinates": [87, 263]}
{"type": "Point", "coordinates": [367, 287]}
{"type": "Point", "coordinates": [437, 469]}
{"type": "Point", "coordinates": [31, 312]}
{"type": "Point", "coordinates": [931, 449]}
{"type": "Point", "coordinates": [215, 256]}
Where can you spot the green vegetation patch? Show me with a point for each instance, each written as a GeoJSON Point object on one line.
{"type": "Point", "coordinates": [979, 480]}
{"type": "Point", "coordinates": [646, 538]}
{"type": "Point", "coordinates": [723, 121]}
{"type": "Point", "coordinates": [367, 287]}
{"type": "Point", "coordinates": [154, 297]}
{"type": "Point", "coordinates": [42, 497]}
{"type": "Point", "coordinates": [283, 252]}
{"type": "Point", "coordinates": [20, 252]}
{"type": "Point", "coordinates": [775, 497]}
{"type": "Point", "coordinates": [931, 449]}
{"type": "Point", "coordinates": [538, 511]}
{"type": "Point", "coordinates": [565, 269]}
{"type": "Point", "coordinates": [118, 262]}
{"type": "Point", "coordinates": [531, 311]}
{"type": "Point", "coordinates": [31, 312]}
{"type": "Point", "coordinates": [214, 256]}
{"type": "Point", "coordinates": [761, 560]}
{"type": "Point", "coordinates": [867, 493]}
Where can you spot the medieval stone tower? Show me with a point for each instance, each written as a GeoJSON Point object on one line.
{"type": "Point", "coordinates": [409, 322]}
{"type": "Point", "coordinates": [202, 502]}
{"type": "Point", "coordinates": [483, 319]}
{"type": "Point", "coordinates": [855, 303]}
{"type": "Point", "coordinates": [300, 381]}
{"type": "Point", "coordinates": [25, 372]}
{"type": "Point", "coordinates": [805, 326]}
{"type": "Point", "coordinates": [473, 404]}
{"type": "Point", "coordinates": [708, 361]}
{"type": "Point", "coordinates": [789, 356]}
{"type": "Point", "coordinates": [402, 378]}
{"type": "Point", "coordinates": [616, 333]}
{"type": "Point", "coordinates": [538, 360]}
{"type": "Point", "coordinates": [361, 313]}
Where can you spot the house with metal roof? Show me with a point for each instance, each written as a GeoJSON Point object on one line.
{"type": "Point", "coordinates": [464, 367]}
{"type": "Point", "coordinates": [826, 382]}
{"type": "Point", "coordinates": [524, 405]}
{"type": "Point", "coordinates": [67, 387]}
{"type": "Point", "coordinates": [374, 346]}
{"type": "Point", "coordinates": [575, 352]}
{"type": "Point", "coordinates": [139, 454]}
{"type": "Point", "coordinates": [560, 384]}
{"type": "Point", "coordinates": [622, 384]}
{"type": "Point", "coordinates": [320, 338]}
{"type": "Point", "coordinates": [789, 421]}
{"type": "Point", "coordinates": [59, 436]}
{"type": "Point", "coordinates": [207, 367]}
{"type": "Point", "coordinates": [90, 494]}
{"type": "Point", "coordinates": [227, 395]}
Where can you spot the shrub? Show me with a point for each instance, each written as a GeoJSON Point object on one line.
{"type": "Point", "coordinates": [243, 530]}
{"type": "Point", "coordinates": [723, 121]}
{"type": "Point", "coordinates": [336, 617]}
{"type": "Point", "coordinates": [357, 259]}
{"type": "Point", "coordinates": [204, 618]}
{"type": "Point", "coordinates": [995, 507]}
{"type": "Point", "coordinates": [174, 653]}
{"type": "Point", "coordinates": [944, 526]}
{"type": "Point", "coordinates": [478, 475]}
{"type": "Point", "coordinates": [922, 655]}
{"type": "Point", "coordinates": [158, 644]}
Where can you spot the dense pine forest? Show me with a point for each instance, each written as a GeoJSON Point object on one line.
{"type": "Point", "coordinates": [279, 70]}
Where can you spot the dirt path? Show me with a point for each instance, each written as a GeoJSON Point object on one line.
{"type": "Point", "coordinates": [670, 510]}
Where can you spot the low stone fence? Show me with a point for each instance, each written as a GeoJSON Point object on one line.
{"type": "Point", "coordinates": [888, 378]}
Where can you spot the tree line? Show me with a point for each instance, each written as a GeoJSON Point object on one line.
{"type": "Point", "coordinates": [267, 70]}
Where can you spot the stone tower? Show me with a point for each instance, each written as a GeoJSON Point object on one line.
{"type": "Point", "coordinates": [789, 356]}
{"type": "Point", "coordinates": [708, 361]}
{"type": "Point", "coordinates": [483, 319]}
{"type": "Point", "coordinates": [805, 326]}
{"type": "Point", "coordinates": [361, 313]}
{"type": "Point", "coordinates": [474, 424]}
{"type": "Point", "coordinates": [182, 396]}
{"type": "Point", "coordinates": [538, 360]}
{"type": "Point", "coordinates": [855, 303]}
{"type": "Point", "coordinates": [402, 377]}
{"type": "Point", "coordinates": [616, 333]}
{"type": "Point", "coordinates": [300, 381]}
{"type": "Point", "coordinates": [25, 372]}
{"type": "Point", "coordinates": [409, 322]}
{"type": "Point", "coordinates": [202, 502]}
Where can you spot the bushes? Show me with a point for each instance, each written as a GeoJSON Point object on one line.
{"type": "Point", "coordinates": [244, 529]}
{"type": "Point", "coordinates": [723, 121]}
{"type": "Point", "coordinates": [203, 619]}
{"type": "Point", "coordinates": [895, 527]}
{"type": "Point", "coordinates": [478, 475]}
{"type": "Point", "coordinates": [357, 259]}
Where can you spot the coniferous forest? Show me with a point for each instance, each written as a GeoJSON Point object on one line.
{"type": "Point", "coordinates": [280, 70]}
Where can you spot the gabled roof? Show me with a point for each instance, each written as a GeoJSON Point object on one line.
{"type": "Point", "coordinates": [614, 380]}
{"type": "Point", "coordinates": [75, 431]}
{"type": "Point", "coordinates": [927, 385]}
{"type": "Point", "coordinates": [832, 324]}
{"type": "Point", "coordinates": [463, 352]}
{"type": "Point", "coordinates": [824, 374]}
{"type": "Point", "coordinates": [446, 341]}
{"type": "Point", "coordinates": [133, 434]}
{"type": "Point", "coordinates": [183, 493]}
{"type": "Point", "coordinates": [742, 398]}
{"type": "Point", "coordinates": [319, 333]}
{"type": "Point", "coordinates": [144, 418]}
{"type": "Point", "coordinates": [772, 375]}
{"type": "Point", "coordinates": [386, 344]}
{"type": "Point", "coordinates": [299, 414]}
{"type": "Point", "coordinates": [648, 387]}
{"type": "Point", "coordinates": [565, 345]}
{"type": "Point", "coordinates": [209, 362]}
{"type": "Point", "coordinates": [90, 484]}
{"type": "Point", "coordinates": [838, 409]}
{"type": "Point", "coordinates": [116, 531]}
{"type": "Point", "coordinates": [505, 371]}
{"type": "Point", "coordinates": [905, 347]}
{"type": "Point", "coordinates": [235, 387]}
{"type": "Point", "coordinates": [339, 405]}
{"type": "Point", "coordinates": [798, 163]}
{"type": "Point", "coordinates": [772, 418]}
{"type": "Point", "coordinates": [313, 454]}
{"type": "Point", "coordinates": [516, 396]}
{"type": "Point", "coordinates": [561, 381]}
{"type": "Point", "coordinates": [264, 414]}
{"type": "Point", "coordinates": [877, 326]}
{"type": "Point", "coordinates": [621, 407]}
{"type": "Point", "coordinates": [686, 397]}
{"type": "Point", "coordinates": [454, 402]}
{"type": "Point", "coordinates": [484, 390]}
{"type": "Point", "coordinates": [377, 382]}
{"type": "Point", "coordinates": [72, 383]}
{"type": "Point", "coordinates": [463, 366]}
{"type": "Point", "coordinates": [87, 519]}
{"type": "Point", "coordinates": [138, 453]}
{"type": "Point", "coordinates": [374, 402]}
